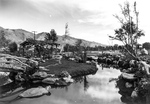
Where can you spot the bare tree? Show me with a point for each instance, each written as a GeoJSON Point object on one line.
{"type": "Point", "coordinates": [129, 32]}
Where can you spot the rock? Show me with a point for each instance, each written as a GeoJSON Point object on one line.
{"type": "Point", "coordinates": [10, 67]}
{"type": "Point", "coordinates": [40, 74]}
{"type": "Point", "coordinates": [132, 62]}
{"type": "Point", "coordinates": [72, 59]}
{"type": "Point", "coordinates": [50, 80]}
{"type": "Point", "coordinates": [35, 92]}
{"type": "Point", "coordinates": [19, 77]}
{"type": "Point", "coordinates": [61, 83]}
{"type": "Point", "coordinates": [88, 62]}
{"type": "Point", "coordinates": [68, 79]}
{"type": "Point", "coordinates": [145, 67]}
{"type": "Point", "coordinates": [134, 93]}
{"type": "Point", "coordinates": [128, 85]}
{"type": "Point", "coordinates": [42, 68]}
{"type": "Point", "coordinates": [144, 52]}
{"type": "Point", "coordinates": [59, 57]}
{"type": "Point", "coordinates": [128, 76]}
{"type": "Point", "coordinates": [64, 74]}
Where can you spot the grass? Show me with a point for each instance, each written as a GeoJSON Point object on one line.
{"type": "Point", "coordinates": [74, 69]}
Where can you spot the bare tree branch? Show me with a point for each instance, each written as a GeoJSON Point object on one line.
{"type": "Point", "coordinates": [120, 20]}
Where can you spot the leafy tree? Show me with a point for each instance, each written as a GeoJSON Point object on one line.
{"type": "Point", "coordinates": [66, 49]}
{"type": "Point", "coordinates": [115, 46]}
{"type": "Point", "coordinates": [51, 38]}
{"type": "Point", "coordinates": [30, 41]}
{"type": "Point", "coordinates": [26, 45]}
{"type": "Point", "coordinates": [54, 35]}
{"type": "Point", "coordinates": [129, 32]}
{"type": "Point", "coordinates": [13, 47]}
{"type": "Point", "coordinates": [81, 49]}
{"type": "Point", "coordinates": [39, 49]}
{"type": "Point", "coordinates": [146, 45]}
{"type": "Point", "coordinates": [48, 37]}
{"type": "Point", "coordinates": [78, 45]}
{"type": "Point", "coordinates": [3, 41]}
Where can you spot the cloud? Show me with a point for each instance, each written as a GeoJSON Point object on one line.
{"type": "Point", "coordinates": [59, 9]}
{"type": "Point", "coordinates": [99, 19]}
{"type": "Point", "coordinates": [18, 9]}
{"type": "Point", "coordinates": [85, 17]}
{"type": "Point", "coordinates": [57, 100]}
{"type": "Point", "coordinates": [101, 88]}
{"type": "Point", "coordinates": [107, 94]}
{"type": "Point", "coordinates": [7, 3]}
{"type": "Point", "coordinates": [81, 21]}
{"type": "Point", "coordinates": [50, 16]}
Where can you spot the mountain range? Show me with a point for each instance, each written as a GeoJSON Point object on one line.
{"type": "Point", "coordinates": [20, 35]}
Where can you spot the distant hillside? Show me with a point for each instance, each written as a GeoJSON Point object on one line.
{"type": "Point", "coordinates": [20, 35]}
{"type": "Point", "coordinates": [15, 35]}
{"type": "Point", "coordinates": [70, 40]}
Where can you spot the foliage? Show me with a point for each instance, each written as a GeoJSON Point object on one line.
{"type": "Point", "coordinates": [68, 48]}
{"type": "Point", "coordinates": [39, 49]}
{"type": "Point", "coordinates": [3, 41]}
{"type": "Point", "coordinates": [78, 42]}
{"type": "Point", "coordinates": [115, 47]}
{"type": "Point", "coordinates": [129, 32]}
{"type": "Point", "coordinates": [47, 37]}
{"type": "Point", "coordinates": [13, 47]}
{"type": "Point", "coordinates": [29, 41]}
{"type": "Point", "coordinates": [88, 48]}
{"type": "Point", "coordinates": [78, 45]}
{"type": "Point", "coordinates": [52, 36]}
{"type": "Point", "coordinates": [146, 45]}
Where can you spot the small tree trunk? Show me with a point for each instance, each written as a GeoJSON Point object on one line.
{"type": "Point", "coordinates": [85, 56]}
{"type": "Point", "coordinates": [148, 98]}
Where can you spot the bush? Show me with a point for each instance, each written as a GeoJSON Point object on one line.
{"type": "Point", "coordinates": [13, 47]}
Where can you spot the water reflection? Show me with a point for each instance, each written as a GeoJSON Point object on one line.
{"type": "Point", "coordinates": [101, 88]}
{"type": "Point", "coordinates": [91, 89]}
{"type": "Point", "coordinates": [86, 85]}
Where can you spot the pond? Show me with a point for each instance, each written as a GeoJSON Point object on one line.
{"type": "Point", "coordinates": [91, 89]}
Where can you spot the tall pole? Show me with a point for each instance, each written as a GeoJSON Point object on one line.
{"type": "Point", "coordinates": [66, 29]}
{"type": "Point", "coordinates": [34, 41]}
{"type": "Point", "coordinates": [136, 13]}
{"type": "Point", "coordinates": [66, 34]}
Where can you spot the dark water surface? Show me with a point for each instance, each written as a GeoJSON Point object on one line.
{"type": "Point", "coordinates": [92, 89]}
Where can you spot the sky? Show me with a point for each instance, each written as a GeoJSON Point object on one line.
{"type": "Point", "coordinates": [91, 20]}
